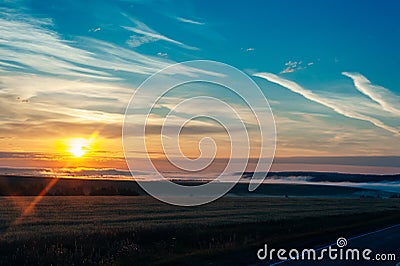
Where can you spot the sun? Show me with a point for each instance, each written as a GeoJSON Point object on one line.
{"type": "Point", "coordinates": [79, 147]}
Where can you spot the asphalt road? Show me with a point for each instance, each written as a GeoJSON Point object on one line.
{"type": "Point", "coordinates": [381, 242]}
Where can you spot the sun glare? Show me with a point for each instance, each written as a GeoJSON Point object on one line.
{"type": "Point", "coordinates": [79, 147]}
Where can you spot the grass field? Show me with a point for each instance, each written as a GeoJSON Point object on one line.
{"type": "Point", "coordinates": [140, 230]}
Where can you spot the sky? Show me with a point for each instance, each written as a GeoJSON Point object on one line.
{"type": "Point", "coordinates": [329, 70]}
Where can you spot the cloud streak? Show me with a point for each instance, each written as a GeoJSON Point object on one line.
{"type": "Point", "coordinates": [378, 94]}
{"type": "Point", "coordinates": [190, 21]}
{"type": "Point", "coordinates": [335, 105]}
{"type": "Point", "coordinates": [144, 34]}
{"type": "Point", "coordinates": [30, 45]}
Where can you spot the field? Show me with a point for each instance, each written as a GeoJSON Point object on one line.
{"type": "Point", "coordinates": [125, 230]}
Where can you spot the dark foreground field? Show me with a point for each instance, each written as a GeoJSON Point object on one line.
{"type": "Point", "coordinates": [142, 231]}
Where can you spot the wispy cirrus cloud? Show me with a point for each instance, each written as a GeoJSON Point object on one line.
{"type": "Point", "coordinates": [190, 21]}
{"type": "Point", "coordinates": [31, 45]}
{"type": "Point", "coordinates": [337, 104]}
{"type": "Point", "coordinates": [28, 43]}
{"type": "Point", "coordinates": [144, 34]}
{"type": "Point", "coordinates": [385, 98]}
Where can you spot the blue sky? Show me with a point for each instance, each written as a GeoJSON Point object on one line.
{"type": "Point", "coordinates": [328, 68]}
{"type": "Point", "coordinates": [362, 37]}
